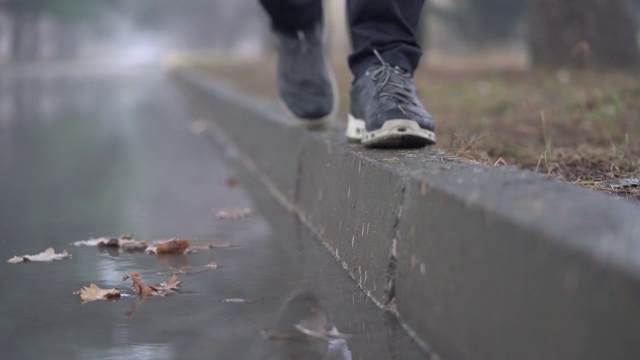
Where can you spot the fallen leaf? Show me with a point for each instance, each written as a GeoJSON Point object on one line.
{"type": "Point", "coordinates": [161, 289]}
{"type": "Point", "coordinates": [144, 290]}
{"type": "Point", "coordinates": [232, 214]}
{"type": "Point", "coordinates": [94, 292]}
{"type": "Point", "coordinates": [47, 255]}
{"type": "Point", "coordinates": [125, 242]}
{"type": "Point", "coordinates": [140, 287]}
{"type": "Point", "coordinates": [102, 241]}
{"type": "Point", "coordinates": [169, 286]}
{"type": "Point", "coordinates": [172, 246]}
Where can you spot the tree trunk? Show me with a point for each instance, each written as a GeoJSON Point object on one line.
{"type": "Point", "coordinates": [580, 33]}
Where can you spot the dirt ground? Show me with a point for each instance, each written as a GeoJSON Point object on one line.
{"type": "Point", "coordinates": [576, 126]}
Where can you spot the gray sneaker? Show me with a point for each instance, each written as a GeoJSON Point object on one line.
{"type": "Point", "coordinates": [386, 112]}
{"type": "Point", "coordinates": [305, 84]}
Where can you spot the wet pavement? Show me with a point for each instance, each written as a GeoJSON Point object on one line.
{"type": "Point", "coordinates": [107, 153]}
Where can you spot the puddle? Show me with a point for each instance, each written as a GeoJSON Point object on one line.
{"type": "Point", "coordinates": [110, 155]}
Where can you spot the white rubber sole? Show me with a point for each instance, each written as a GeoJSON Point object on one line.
{"type": "Point", "coordinates": [355, 129]}
{"type": "Point", "coordinates": [393, 133]}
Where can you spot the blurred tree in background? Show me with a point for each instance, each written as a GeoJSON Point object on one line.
{"type": "Point", "coordinates": [574, 33]}
{"type": "Point", "coordinates": [69, 10]}
{"type": "Point", "coordinates": [489, 21]}
{"type": "Point", "coordinates": [584, 33]}
{"type": "Point", "coordinates": [44, 30]}
{"type": "Point", "coordinates": [558, 33]}
{"type": "Point", "coordinates": [47, 28]}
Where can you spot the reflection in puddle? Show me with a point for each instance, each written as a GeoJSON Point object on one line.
{"type": "Point", "coordinates": [111, 271]}
{"type": "Point", "coordinates": [304, 331]}
{"type": "Point", "coordinates": [126, 350]}
{"type": "Point", "coordinates": [114, 156]}
{"type": "Point", "coordinates": [173, 261]}
{"type": "Point", "coordinates": [134, 305]}
{"type": "Point", "coordinates": [132, 352]}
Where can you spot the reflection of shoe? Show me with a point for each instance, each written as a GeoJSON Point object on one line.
{"type": "Point", "coordinates": [305, 83]}
{"type": "Point", "coordinates": [309, 334]}
{"type": "Point", "coordinates": [385, 110]}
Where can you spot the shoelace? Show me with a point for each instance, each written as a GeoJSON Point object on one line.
{"type": "Point", "coordinates": [392, 83]}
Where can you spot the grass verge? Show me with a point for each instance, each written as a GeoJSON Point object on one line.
{"type": "Point", "coordinates": [581, 127]}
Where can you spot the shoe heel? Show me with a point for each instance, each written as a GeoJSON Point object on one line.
{"type": "Point", "coordinates": [355, 128]}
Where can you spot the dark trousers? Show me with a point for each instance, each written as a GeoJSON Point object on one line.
{"type": "Point", "coordinates": [388, 26]}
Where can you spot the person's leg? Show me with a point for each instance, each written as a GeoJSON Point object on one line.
{"type": "Point", "coordinates": [385, 110]}
{"type": "Point", "coordinates": [289, 16]}
{"type": "Point", "coordinates": [388, 26]}
{"type": "Point", "coordinates": [305, 84]}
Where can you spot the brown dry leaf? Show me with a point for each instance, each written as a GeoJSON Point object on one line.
{"type": "Point", "coordinates": [101, 241]}
{"type": "Point", "coordinates": [171, 246]}
{"type": "Point", "coordinates": [161, 289]}
{"type": "Point", "coordinates": [47, 255]}
{"type": "Point", "coordinates": [94, 292]}
{"type": "Point", "coordinates": [140, 287]}
{"type": "Point", "coordinates": [166, 287]}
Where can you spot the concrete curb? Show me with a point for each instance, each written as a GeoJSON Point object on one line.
{"type": "Point", "coordinates": [479, 262]}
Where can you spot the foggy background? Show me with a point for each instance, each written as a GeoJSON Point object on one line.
{"type": "Point", "coordinates": [147, 31]}
{"type": "Point", "coordinates": [139, 31]}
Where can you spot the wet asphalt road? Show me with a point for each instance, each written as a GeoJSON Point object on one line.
{"type": "Point", "coordinates": [104, 153]}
